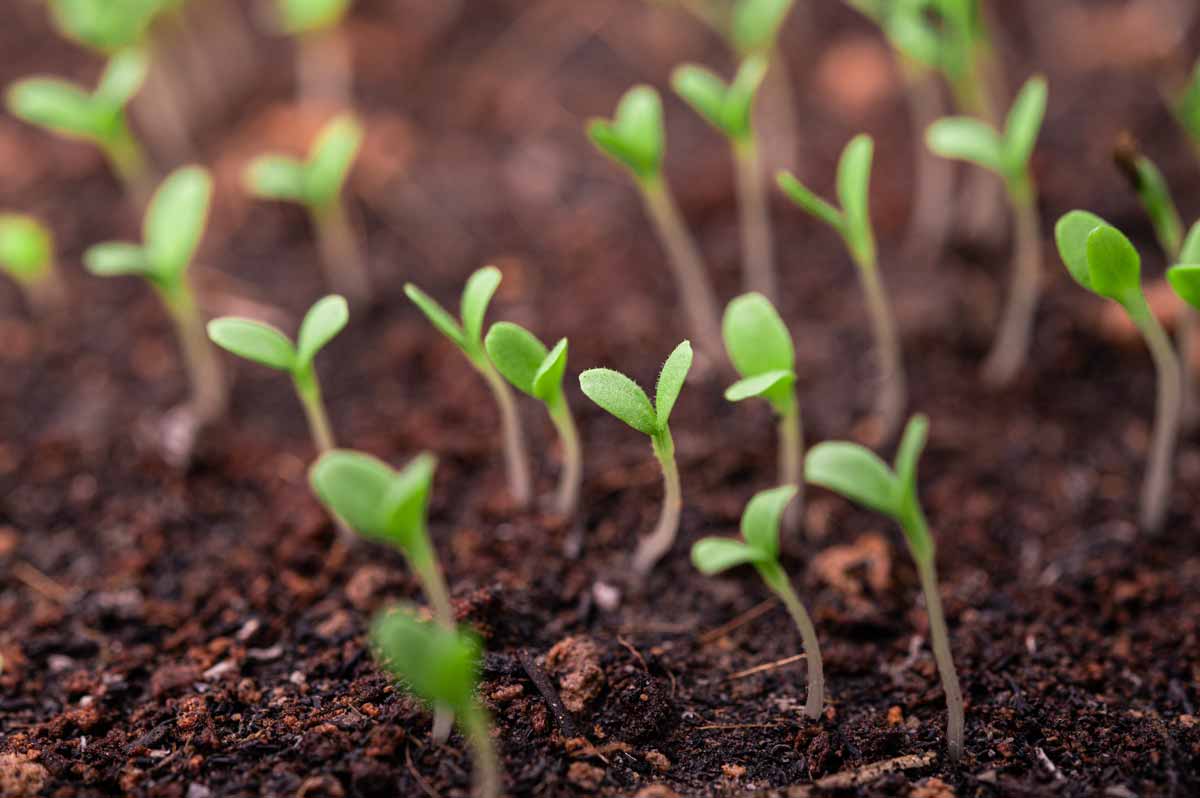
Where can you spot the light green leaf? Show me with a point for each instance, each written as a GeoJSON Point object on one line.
{"type": "Point", "coordinates": [1185, 281]}
{"type": "Point", "coordinates": [477, 295]}
{"type": "Point", "coordinates": [26, 248]}
{"type": "Point", "coordinates": [703, 91]}
{"type": "Point", "coordinates": [440, 666]}
{"type": "Point", "coordinates": [56, 105]}
{"type": "Point", "coordinates": [253, 340]}
{"type": "Point", "coordinates": [798, 193]}
{"type": "Point", "coordinates": [105, 25]}
{"type": "Point", "coordinates": [765, 385]}
{"type": "Point", "coordinates": [1187, 106]}
{"type": "Point", "coordinates": [760, 519]}
{"type": "Point", "coordinates": [1190, 251]}
{"type": "Point", "coordinates": [755, 336]}
{"type": "Point", "coordinates": [714, 555]}
{"type": "Point", "coordinates": [670, 382]}
{"type": "Point", "coordinates": [1071, 235]}
{"type": "Point", "coordinates": [912, 444]}
{"type": "Point", "coordinates": [967, 139]}
{"type": "Point", "coordinates": [516, 353]}
{"type": "Point", "coordinates": [853, 189]}
{"type": "Point", "coordinates": [353, 486]}
{"type": "Point", "coordinates": [1023, 125]}
{"type": "Point", "coordinates": [1114, 266]}
{"type": "Point", "coordinates": [330, 159]}
{"type": "Point", "coordinates": [737, 112]}
{"type": "Point", "coordinates": [437, 315]}
{"type": "Point", "coordinates": [547, 382]}
{"type": "Point", "coordinates": [620, 396]}
{"type": "Point", "coordinates": [116, 258]}
{"type": "Point", "coordinates": [276, 177]}
{"type": "Point", "coordinates": [756, 24]}
{"type": "Point", "coordinates": [325, 319]}
{"type": "Point", "coordinates": [175, 221]}
{"type": "Point", "coordinates": [636, 137]}
{"type": "Point", "coordinates": [1155, 195]}
{"type": "Point", "coordinates": [854, 472]}
{"type": "Point", "coordinates": [122, 78]}
{"type": "Point", "coordinates": [405, 506]}
{"type": "Point", "coordinates": [305, 16]}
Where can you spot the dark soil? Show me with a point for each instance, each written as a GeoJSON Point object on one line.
{"type": "Point", "coordinates": [201, 633]}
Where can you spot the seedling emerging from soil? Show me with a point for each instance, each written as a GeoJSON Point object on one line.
{"type": "Point", "coordinates": [728, 107]}
{"type": "Point", "coordinates": [760, 547]}
{"type": "Point", "coordinates": [171, 232]}
{"type": "Point", "coordinates": [1102, 260]}
{"type": "Point", "coordinates": [623, 398]}
{"type": "Point", "coordinates": [27, 255]}
{"type": "Point", "coordinates": [760, 347]}
{"type": "Point", "coordinates": [856, 473]}
{"type": "Point", "coordinates": [1007, 154]}
{"type": "Point", "coordinates": [441, 666]}
{"type": "Point", "coordinates": [99, 117]}
{"type": "Point", "coordinates": [853, 223]}
{"type": "Point", "coordinates": [635, 139]}
{"type": "Point", "coordinates": [324, 62]}
{"type": "Point", "coordinates": [467, 335]}
{"type": "Point", "coordinates": [531, 368]}
{"type": "Point", "coordinates": [317, 184]}
{"type": "Point", "coordinates": [269, 347]}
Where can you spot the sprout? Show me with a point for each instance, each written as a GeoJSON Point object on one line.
{"type": "Point", "coordinates": [264, 344]}
{"type": "Point", "coordinates": [305, 16]}
{"type": "Point", "coordinates": [27, 255]}
{"type": "Point", "coordinates": [171, 233]}
{"type": "Point", "coordinates": [531, 368]}
{"type": "Point", "coordinates": [728, 107]}
{"type": "Point", "coordinates": [760, 547]}
{"type": "Point", "coordinates": [853, 223]}
{"type": "Point", "coordinates": [1007, 154]}
{"type": "Point", "coordinates": [760, 348]}
{"type": "Point", "coordinates": [324, 63]}
{"type": "Point", "coordinates": [99, 117]}
{"type": "Point", "coordinates": [441, 665]}
{"type": "Point", "coordinates": [317, 183]}
{"type": "Point", "coordinates": [1102, 260]}
{"type": "Point", "coordinates": [105, 25]}
{"type": "Point", "coordinates": [467, 335]}
{"type": "Point", "coordinates": [856, 473]}
{"type": "Point", "coordinates": [622, 397]}
{"type": "Point", "coordinates": [1187, 107]}
{"type": "Point", "coordinates": [635, 139]}
{"type": "Point", "coordinates": [755, 26]}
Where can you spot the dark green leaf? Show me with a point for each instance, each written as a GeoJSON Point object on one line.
{"type": "Point", "coordinates": [1185, 281]}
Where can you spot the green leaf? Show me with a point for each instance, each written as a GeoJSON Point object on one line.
{"type": "Point", "coordinates": [376, 501]}
{"type": "Point", "coordinates": [909, 512]}
{"type": "Point", "coordinates": [122, 78]}
{"type": "Point", "coordinates": [516, 353]}
{"type": "Point", "coordinates": [477, 295]}
{"type": "Point", "coordinates": [175, 221]}
{"type": "Point", "coordinates": [305, 16]}
{"type": "Point", "coordinates": [406, 504]}
{"type": "Point", "coordinates": [636, 137]}
{"type": "Point", "coordinates": [966, 139]}
{"type": "Point", "coordinates": [116, 258]}
{"type": "Point", "coordinates": [547, 382]}
{"type": "Point", "coordinates": [105, 25]}
{"type": "Point", "coordinates": [908, 454]}
{"type": "Point", "coordinates": [853, 189]}
{"type": "Point", "coordinates": [1071, 235]}
{"type": "Point", "coordinates": [854, 472]}
{"type": "Point", "coordinates": [1185, 281]}
{"type": "Point", "coordinates": [756, 24]}
{"type": "Point", "coordinates": [703, 91]}
{"type": "Point", "coordinates": [56, 105]}
{"type": "Point", "coordinates": [1023, 125]}
{"type": "Point", "coordinates": [714, 555]}
{"type": "Point", "coordinates": [325, 319]}
{"type": "Point", "coordinates": [766, 385]}
{"type": "Point", "coordinates": [737, 113]}
{"type": "Point", "coordinates": [760, 519]}
{"type": "Point", "coordinates": [1114, 265]}
{"type": "Point", "coordinates": [1155, 195]}
{"type": "Point", "coordinates": [276, 177]}
{"type": "Point", "coordinates": [439, 665]}
{"type": "Point", "coordinates": [1190, 251]}
{"type": "Point", "coordinates": [755, 336]}
{"type": "Point", "coordinates": [620, 396]}
{"type": "Point", "coordinates": [437, 315]}
{"type": "Point", "coordinates": [798, 193]}
{"type": "Point", "coordinates": [330, 159]}
{"type": "Point", "coordinates": [670, 382]}
{"type": "Point", "coordinates": [26, 248]}
{"type": "Point", "coordinates": [253, 340]}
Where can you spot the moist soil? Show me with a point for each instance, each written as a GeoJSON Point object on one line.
{"type": "Point", "coordinates": [201, 632]}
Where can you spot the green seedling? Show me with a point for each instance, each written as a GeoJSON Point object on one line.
{"type": "Point", "coordinates": [1187, 108]}
{"type": "Point", "coordinates": [441, 666]}
{"type": "Point", "coordinates": [467, 335]}
{"type": "Point", "coordinates": [99, 117]}
{"type": "Point", "coordinates": [623, 398]}
{"type": "Point", "coordinates": [760, 547]}
{"type": "Point", "coordinates": [525, 362]}
{"type": "Point", "coordinates": [324, 62]}
{"type": "Point", "coordinates": [266, 345]}
{"type": "Point", "coordinates": [1102, 260]}
{"type": "Point", "coordinates": [636, 140]}
{"type": "Point", "coordinates": [27, 256]}
{"type": "Point", "coordinates": [306, 16]}
{"type": "Point", "coordinates": [755, 25]}
{"type": "Point", "coordinates": [760, 348]}
{"type": "Point", "coordinates": [1008, 155]}
{"type": "Point", "coordinates": [728, 107]}
{"type": "Point", "coordinates": [857, 474]}
{"type": "Point", "coordinates": [853, 223]}
{"type": "Point", "coordinates": [106, 25]}
{"type": "Point", "coordinates": [317, 183]}
{"type": "Point", "coordinates": [171, 233]}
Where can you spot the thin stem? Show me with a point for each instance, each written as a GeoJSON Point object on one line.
{"type": "Point", "coordinates": [929, 223]}
{"type": "Point", "coordinates": [309, 391]}
{"type": "Point", "coordinates": [572, 458]}
{"type": "Point", "coordinates": [341, 252]}
{"type": "Point", "coordinates": [204, 369]}
{"type": "Point", "coordinates": [889, 405]}
{"type": "Point", "coordinates": [476, 729]}
{"type": "Point", "coordinates": [1011, 346]}
{"type": "Point", "coordinates": [325, 67]}
{"type": "Point", "coordinates": [758, 260]}
{"type": "Point", "coordinates": [425, 565]}
{"type": "Point", "coordinates": [940, 639]}
{"type": "Point", "coordinates": [777, 579]}
{"type": "Point", "coordinates": [652, 548]}
{"type": "Point", "coordinates": [791, 447]}
{"type": "Point", "coordinates": [699, 301]}
{"type": "Point", "coordinates": [128, 162]}
{"type": "Point", "coordinates": [516, 461]}
{"type": "Point", "coordinates": [1185, 333]}
{"type": "Point", "coordinates": [983, 194]}
{"type": "Point", "coordinates": [1156, 488]}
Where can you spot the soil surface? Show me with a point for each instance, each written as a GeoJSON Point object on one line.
{"type": "Point", "coordinates": [201, 633]}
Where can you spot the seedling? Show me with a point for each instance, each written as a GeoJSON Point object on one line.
{"type": "Point", "coordinates": [105, 25]}
{"type": "Point", "coordinates": [728, 107]}
{"type": "Point", "coordinates": [857, 474]}
{"type": "Point", "coordinates": [324, 61]}
{"type": "Point", "coordinates": [171, 232]}
{"type": "Point", "coordinates": [755, 25]}
{"type": "Point", "coordinates": [266, 345]}
{"type": "Point", "coordinates": [760, 547]}
{"type": "Point", "coordinates": [317, 183]}
{"type": "Point", "coordinates": [99, 117]}
{"type": "Point", "coordinates": [623, 398]}
{"type": "Point", "coordinates": [1187, 107]}
{"type": "Point", "coordinates": [853, 223]}
{"type": "Point", "coordinates": [1102, 260]}
{"type": "Point", "coordinates": [467, 335]}
{"type": "Point", "coordinates": [1007, 154]}
{"type": "Point", "coordinates": [1184, 277]}
{"type": "Point", "coordinates": [760, 348]}
{"type": "Point", "coordinates": [636, 139]}
{"type": "Point", "coordinates": [27, 255]}
{"type": "Point", "coordinates": [525, 362]}
{"type": "Point", "coordinates": [441, 666]}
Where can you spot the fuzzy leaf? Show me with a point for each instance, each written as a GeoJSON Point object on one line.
{"type": "Point", "coordinates": [853, 189]}
{"type": "Point", "coordinates": [175, 221]}
{"type": "Point", "coordinates": [439, 665]}
{"type": "Point", "coordinates": [635, 137]}
{"type": "Point", "coordinates": [1185, 282]}
{"type": "Point", "coordinates": [1071, 235]}
{"type": "Point", "coordinates": [967, 139]}
{"type": "Point", "coordinates": [116, 258]}
{"type": "Point", "coordinates": [760, 519]}
{"type": "Point", "coordinates": [276, 177]}
{"type": "Point", "coordinates": [756, 24]}
{"type": "Point", "coordinates": [325, 319]}
{"type": "Point", "coordinates": [56, 105]}
{"type": "Point", "coordinates": [798, 193]}
{"type": "Point", "coordinates": [765, 385]}
{"type": "Point", "coordinates": [304, 16]}
{"type": "Point", "coordinates": [1114, 265]}
{"type": "Point", "coordinates": [1023, 125]}
{"type": "Point", "coordinates": [670, 382]}
{"type": "Point", "coordinates": [330, 160]}
{"type": "Point", "coordinates": [26, 248]}
{"type": "Point", "coordinates": [854, 472]}
{"type": "Point", "coordinates": [437, 315]}
{"type": "Point", "coordinates": [620, 396]}
{"type": "Point", "coordinates": [516, 353]}
{"type": "Point", "coordinates": [122, 78]}
{"type": "Point", "coordinates": [714, 555]}
{"type": "Point", "coordinates": [477, 295]}
{"type": "Point", "coordinates": [547, 382]}
{"type": "Point", "coordinates": [254, 341]}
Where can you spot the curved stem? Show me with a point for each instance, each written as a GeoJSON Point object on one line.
{"type": "Point", "coordinates": [341, 252]}
{"type": "Point", "coordinates": [429, 572]}
{"type": "Point", "coordinates": [486, 778]}
{"type": "Point", "coordinates": [652, 548]}
{"type": "Point", "coordinates": [572, 459]}
{"type": "Point", "coordinates": [1156, 488]}
{"type": "Point", "coordinates": [929, 222]}
{"type": "Point", "coordinates": [128, 161]}
{"type": "Point", "coordinates": [940, 639]}
{"type": "Point", "coordinates": [889, 405]}
{"type": "Point", "coordinates": [1011, 346]}
{"type": "Point", "coordinates": [209, 395]}
{"type": "Point", "coordinates": [516, 461]}
{"type": "Point", "coordinates": [777, 579]}
{"type": "Point", "coordinates": [791, 448]}
{"type": "Point", "coordinates": [754, 209]}
{"type": "Point", "coordinates": [1185, 333]}
{"type": "Point", "coordinates": [309, 391]}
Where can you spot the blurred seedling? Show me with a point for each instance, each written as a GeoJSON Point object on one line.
{"type": "Point", "coordinates": [1007, 154]}
{"type": "Point", "coordinates": [467, 334]}
{"type": "Point", "coordinates": [268, 346]}
{"type": "Point", "coordinates": [761, 350]}
{"type": "Point", "coordinates": [324, 61]}
{"type": "Point", "coordinates": [99, 117]}
{"type": "Point", "coordinates": [27, 256]}
{"type": "Point", "coordinates": [317, 183]}
{"type": "Point", "coordinates": [525, 362]}
{"type": "Point", "coordinates": [1102, 260]}
{"type": "Point", "coordinates": [636, 139]}
{"type": "Point", "coordinates": [1186, 106]}
{"type": "Point", "coordinates": [859, 475]}
{"type": "Point", "coordinates": [441, 665]}
{"type": "Point", "coordinates": [853, 222]}
{"type": "Point", "coordinates": [760, 547]}
{"type": "Point", "coordinates": [624, 399]}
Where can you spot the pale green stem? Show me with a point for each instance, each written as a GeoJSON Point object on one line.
{"type": "Point", "coordinates": [309, 391]}
{"type": "Point", "coordinates": [791, 448]}
{"type": "Point", "coordinates": [889, 405]}
{"type": "Point", "coordinates": [982, 199]}
{"type": "Point", "coordinates": [777, 579]}
{"type": "Point", "coordinates": [128, 161]}
{"type": "Point", "coordinates": [758, 266]}
{"type": "Point", "coordinates": [1156, 489]}
{"type": "Point", "coordinates": [652, 548]}
{"type": "Point", "coordinates": [940, 639]}
{"type": "Point", "coordinates": [341, 252]}
{"type": "Point", "coordinates": [1011, 346]}
{"type": "Point", "coordinates": [486, 762]}
{"type": "Point", "coordinates": [1185, 334]}
{"type": "Point", "coordinates": [325, 67]}
{"type": "Point", "coordinates": [929, 222]}
{"type": "Point", "coordinates": [572, 458]}
{"type": "Point", "coordinates": [517, 462]}
{"type": "Point", "coordinates": [429, 572]}
{"type": "Point", "coordinates": [204, 369]}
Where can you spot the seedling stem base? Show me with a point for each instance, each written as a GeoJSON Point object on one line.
{"type": "Point", "coordinates": [652, 548]}
{"type": "Point", "coordinates": [1011, 346]}
{"type": "Point", "coordinates": [1157, 485]}
{"type": "Point", "coordinates": [778, 581]}
{"type": "Point", "coordinates": [516, 460]}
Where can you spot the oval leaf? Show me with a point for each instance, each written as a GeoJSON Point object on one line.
{"type": "Point", "coordinates": [964, 138]}
{"type": "Point", "coordinates": [404, 507]}
{"type": "Point", "coordinates": [254, 341]}
{"type": "Point", "coordinates": [1071, 235]}
{"type": "Point", "coordinates": [439, 665]}
{"type": "Point", "coordinates": [760, 519]}
{"type": "Point", "coordinates": [26, 249]}
{"type": "Point", "coordinates": [766, 385]}
{"type": "Point", "coordinates": [853, 189]}
{"type": "Point", "coordinates": [670, 382]}
{"type": "Point", "coordinates": [324, 320]}
{"type": "Point", "coordinates": [547, 382]}
{"type": "Point", "coordinates": [620, 396]}
{"type": "Point", "coordinates": [330, 160]}
{"type": "Point", "coordinates": [854, 472]}
{"type": "Point", "coordinates": [353, 487]}
{"type": "Point", "coordinates": [755, 336]}
{"type": "Point", "coordinates": [1024, 123]}
{"type": "Point", "coordinates": [56, 105]}
{"type": "Point", "coordinates": [276, 177]}
{"type": "Point", "coordinates": [1114, 265]}
{"type": "Point", "coordinates": [704, 92]}
{"type": "Point", "coordinates": [714, 555]}
{"type": "Point", "coordinates": [477, 295]}
{"type": "Point", "coordinates": [175, 221]}
{"type": "Point", "coordinates": [798, 193]}
{"type": "Point", "coordinates": [516, 353]}
{"type": "Point", "coordinates": [1185, 282]}
{"type": "Point", "coordinates": [756, 24]}
{"type": "Point", "coordinates": [122, 78]}
{"type": "Point", "coordinates": [116, 258]}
